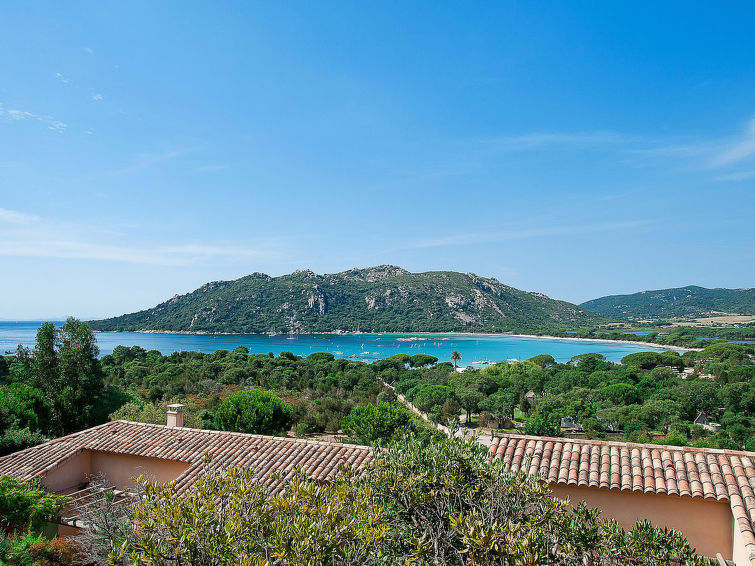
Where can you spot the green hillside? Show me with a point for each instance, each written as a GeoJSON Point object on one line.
{"type": "Point", "coordinates": [380, 299]}
{"type": "Point", "coordinates": [673, 303]}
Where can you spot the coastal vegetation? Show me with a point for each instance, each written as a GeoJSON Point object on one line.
{"type": "Point", "coordinates": [650, 396]}
{"type": "Point", "coordinates": [471, 510]}
{"type": "Point", "coordinates": [663, 335]}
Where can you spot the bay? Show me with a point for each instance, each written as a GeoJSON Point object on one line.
{"type": "Point", "coordinates": [474, 348]}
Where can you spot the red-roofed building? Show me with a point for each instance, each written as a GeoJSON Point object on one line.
{"type": "Point", "coordinates": [707, 494]}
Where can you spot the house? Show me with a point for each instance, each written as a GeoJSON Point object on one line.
{"type": "Point", "coordinates": [703, 421]}
{"type": "Point", "coordinates": [530, 398]}
{"type": "Point", "coordinates": [124, 450]}
{"type": "Point", "coordinates": [570, 423]}
{"type": "Point", "coordinates": [707, 494]}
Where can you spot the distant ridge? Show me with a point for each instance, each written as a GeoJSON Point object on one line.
{"type": "Point", "coordinates": [384, 298]}
{"type": "Point", "coordinates": [671, 303]}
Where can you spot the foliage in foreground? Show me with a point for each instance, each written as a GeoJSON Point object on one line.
{"type": "Point", "coordinates": [418, 505]}
{"type": "Point", "coordinates": [23, 508]}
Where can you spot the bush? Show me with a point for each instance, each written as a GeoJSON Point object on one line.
{"type": "Point", "coordinates": [254, 411]}
{"type": "Point", "coordinates": [301, 430]}
{"type": "Point", "coordinates": [26, 503]}
{"type": "Point", "coordinates": [370, 424]}
{"type": "Point", "coordinates": [14, 440]}
{"type": "Point", "coordinates": [57, 552]}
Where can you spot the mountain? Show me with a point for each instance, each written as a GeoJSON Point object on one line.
{"type": "Point", "coordinates": [380, 299]}
{"type": "Point", "coordinates": [672, 303]}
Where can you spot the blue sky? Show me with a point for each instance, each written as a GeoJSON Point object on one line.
{"type": "Point", "coordinates": [573, 148]}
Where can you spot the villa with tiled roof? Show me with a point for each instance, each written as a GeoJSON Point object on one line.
{"type": "Point", "coordinates": [707, 494]}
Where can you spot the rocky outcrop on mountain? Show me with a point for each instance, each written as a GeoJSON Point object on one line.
{"type": "Point", "coordinates": [383, 298]}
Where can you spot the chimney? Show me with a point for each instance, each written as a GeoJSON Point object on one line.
{"type": "Point", "coordinates": [175, 415]}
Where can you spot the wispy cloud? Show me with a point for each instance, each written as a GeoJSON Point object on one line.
{"type": "Point", "coordinates": [146, 160]}
{"type": "Point", "coordinates": [738, 176]}
{"type": "Point", "coordinates": [16, 115]}
{"type": "Point", "coordinates": [15, 217]}
{"type": "Point", "coordinates": [88, 50]}
{"type": "Point", "coordinates": [738, 150]}
{"type": "Point", "coordinates": [210, 168]}
{"type": "Point", "coordinates": [536, 140]}
{"type": "Point", "coordinates": [474, 238]}
{"type": "Point", "coordinates": [28, 235]}
{"type": "Point", "coordinates": [697, 152]}
{"type": "Point", "coordinates": [61, 78]}
{"type": "Point", "coordinates": [149, 255]}
{"type": "Point", "coordinates": [97, 97]}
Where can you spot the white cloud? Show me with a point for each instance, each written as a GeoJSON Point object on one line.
{"type": "Point", "coordinates": [209, 168]}
{"type": "Point", "coordinates": [88, 50]}
{"type": "Point", "coordinates": [97, 97]}
{"type": "Point", "coordinates": [149, 255]}
{"type": "Point", "coordinates": [576, 139]}
{"type": "Point", "coordinates": [19, 115]}
{"type": "Point", "coordinates": [474, 238]}
{"type": "Point", "coordinates": [61, 78]}
{"type": "Point", "coordinates": [739, 150]}
{"type": "Point", "coordinates": [15, 217]}
{"type": "Point", "coordinates": [697, 152]}
{"type": "Point", "coordinates": [146, 160]}
{"type": "Point", "coordinates": [26, 235]}
{"type": "Point", "coordinates": [739, 176]}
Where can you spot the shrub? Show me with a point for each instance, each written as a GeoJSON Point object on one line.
{"type": "Point", "coordinates": [370, 424]}
{"type": "Point", "coordinates": [19, 439]}
{"type": "Point", "coordinates": [254, 411]}
{"type": "Point", "coordinates": [26, 503]}
{"type": "Point", "coordinates": [57, 552]}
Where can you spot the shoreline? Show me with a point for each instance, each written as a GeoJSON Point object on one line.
{"type": "Point", "coordinates": [485, 334]}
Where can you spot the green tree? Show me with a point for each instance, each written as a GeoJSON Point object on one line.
{"type": "Point", "coordinates": [456, 357]}
{"type": "Point", "coordinates": [254, 411]}
{"type": "Point", "coordinates": [370, 424]}
{"type": "Point", "coordinates": [431, 395]}
{"type": "Point", "coordinates": [543, 360]}
{"type": "Point", "coordinates": [45, 356]}
{"type": "Point", "coordinates": [80, 383]}
{"type": "Point", "coordinates": [27, 404]}
{"type": "Point", "coordinates": [422, 360]}
{"type": "Point", "coordinates": [501, 404]}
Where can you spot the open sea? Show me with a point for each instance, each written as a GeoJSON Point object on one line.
{"type": "Point", "coordinates": [474, 348]}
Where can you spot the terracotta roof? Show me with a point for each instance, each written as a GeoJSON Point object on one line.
{"type": "Point", "coordinates": [265, 454]}
{"type": "Point", "coordinates": [706, 473]}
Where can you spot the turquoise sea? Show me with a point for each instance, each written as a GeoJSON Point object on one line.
{"type": "Point", "coordinates": [474, 348]}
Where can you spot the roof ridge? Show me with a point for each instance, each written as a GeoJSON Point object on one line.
{"type": "Point", "coordinates": [597, 442]}
{"type": "Point", "coordinates": [243, 434]}
{"type": "Point", "coordinates": [58, 440]}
